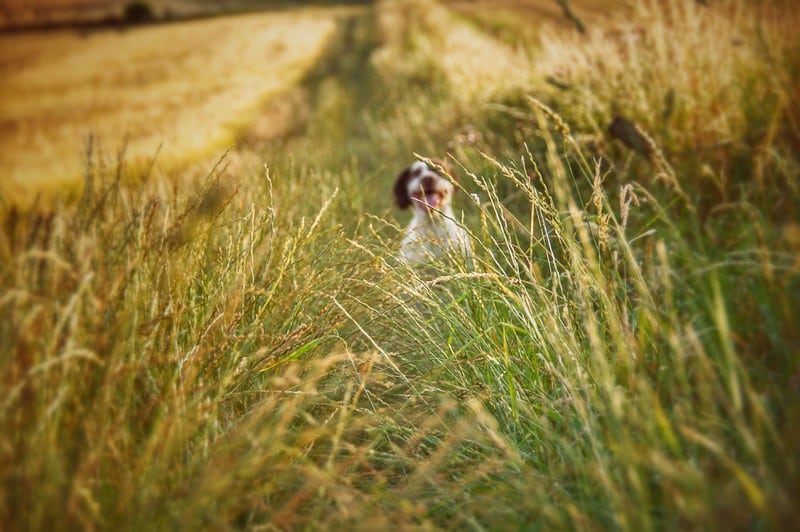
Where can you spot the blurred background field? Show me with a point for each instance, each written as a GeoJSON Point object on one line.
{"type": "Point", "coordinates": [203, 323]}
{"type": "Point", "coordinates": [185, 90]}
{"type": "Point", "coordinates": [27, 14]}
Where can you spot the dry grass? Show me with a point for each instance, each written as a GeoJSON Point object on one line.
{"type": "Point", "coordinates": [189, 86]}
{"type": "Point", "coordinates": [247, 353]}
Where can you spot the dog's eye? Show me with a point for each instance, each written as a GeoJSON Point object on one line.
{"type": "Point", "coordinates": [416, 172]}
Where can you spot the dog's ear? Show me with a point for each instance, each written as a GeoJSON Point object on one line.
{"type": "Point", "coordinates": [401, 198]}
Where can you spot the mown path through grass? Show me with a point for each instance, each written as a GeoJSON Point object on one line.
{"type": "Point", "coordinates": [377, 96]}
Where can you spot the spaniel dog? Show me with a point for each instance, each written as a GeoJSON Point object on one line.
{"type": "Point", "coordinates": [433, 231]}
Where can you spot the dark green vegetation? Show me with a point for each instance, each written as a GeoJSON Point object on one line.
{"type": "Point", "coordinates": [246, 351]}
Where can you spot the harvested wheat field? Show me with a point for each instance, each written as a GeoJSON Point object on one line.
{"type": "Point", "coordinates": [182, 91]}
{"type": "Point", "coordinates": [229, 338]}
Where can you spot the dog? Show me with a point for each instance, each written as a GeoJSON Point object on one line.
{"type": "Point", "coordinates": [433, 231]}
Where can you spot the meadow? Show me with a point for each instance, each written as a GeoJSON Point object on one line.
{"type": "Point", "coordinates": [242, 349]}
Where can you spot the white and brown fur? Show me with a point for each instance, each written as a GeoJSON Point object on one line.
{"type": "Point", "coordinates": [433, 231]}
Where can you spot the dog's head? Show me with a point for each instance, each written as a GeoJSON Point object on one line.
{"type": "Point", "coordinates": [425, 187]}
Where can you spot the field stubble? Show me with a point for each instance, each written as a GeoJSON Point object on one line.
{"type": "Point", "coordinates": [184, 91]}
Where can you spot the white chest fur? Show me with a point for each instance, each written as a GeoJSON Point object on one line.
{"type": "Point", "coordinates": [433, 235]}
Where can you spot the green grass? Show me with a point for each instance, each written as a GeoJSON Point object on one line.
{"type": "Point", "coordinates": [246, 351]}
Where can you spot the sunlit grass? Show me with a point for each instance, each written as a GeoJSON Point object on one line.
{"type": "Point", "coordinates": [248, 352]}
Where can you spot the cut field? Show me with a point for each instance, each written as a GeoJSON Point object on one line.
{"type": "Point", "coordinates": [188, 88]}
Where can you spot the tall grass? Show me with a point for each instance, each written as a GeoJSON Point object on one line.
{"type": "Point", "coordinates": [246, 351]}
